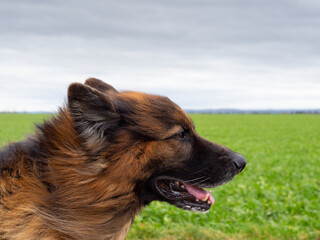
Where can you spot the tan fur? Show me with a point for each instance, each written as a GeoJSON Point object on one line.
{"type": "Point", "coordinates": [90, 216]}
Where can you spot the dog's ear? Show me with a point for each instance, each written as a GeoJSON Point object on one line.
{"type": "Point", "coordinates": [99, 85]}
{"type": "Point", "coordinates": [93, 112]}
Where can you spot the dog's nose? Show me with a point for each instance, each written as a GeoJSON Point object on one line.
{"type": "Point", "coordinates": [239, 161]}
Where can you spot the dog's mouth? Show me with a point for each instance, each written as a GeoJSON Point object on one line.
{"type": "Point", "coordinates": [184, 195]}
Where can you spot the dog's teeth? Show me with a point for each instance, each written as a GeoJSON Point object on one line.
{"type": "Point", "coordinates": [205, 198]}
{"type": "Point", "coordinates": [197, 200]}
{"type": "Point", "coordinates": [177, 183]}
{"type": "Point", "coordinates": [183, 186]}
{"type": "Point", "coordinates": [209, 202]}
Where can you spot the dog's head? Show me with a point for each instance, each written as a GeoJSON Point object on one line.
{"type": "Point", "coordinates": [150, 143]}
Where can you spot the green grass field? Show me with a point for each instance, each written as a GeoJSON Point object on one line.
{"type": "Point", "coordinates": [277, 196]}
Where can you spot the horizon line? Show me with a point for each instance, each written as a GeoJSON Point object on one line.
{"type": "Point", "coordinates": [206, 110]}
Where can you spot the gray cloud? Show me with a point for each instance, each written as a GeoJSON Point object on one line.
{"type": "Point", "coordinates": [201, 53]}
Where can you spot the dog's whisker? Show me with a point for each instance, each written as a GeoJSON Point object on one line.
{"type": "Point", "coordinates": [195, 179]}
{"type": "Point", "coordinates": [196, 172]}
{"type": "Point", "coordinates": [206, 179]}
{"type": "Point", "coordinates": [201, 181]}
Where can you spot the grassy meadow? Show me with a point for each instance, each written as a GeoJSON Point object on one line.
{"type": "Point", "coordinates": [277, 196]}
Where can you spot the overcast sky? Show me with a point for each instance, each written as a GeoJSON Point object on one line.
{"type": "Point", "coordinates": [248, 54]}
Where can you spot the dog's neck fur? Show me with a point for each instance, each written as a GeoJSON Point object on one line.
{"type": "Point", "coordinates": [74, 200]}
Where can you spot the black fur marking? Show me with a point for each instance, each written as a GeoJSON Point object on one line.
{"type": "Point", "coordinates": [93, 113]}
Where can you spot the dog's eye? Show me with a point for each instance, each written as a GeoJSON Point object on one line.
{"type": "Point", "coordinates": [180, 135]}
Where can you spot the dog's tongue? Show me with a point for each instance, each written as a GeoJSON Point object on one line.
{"type": "Point", "coordinates": [199, 193]}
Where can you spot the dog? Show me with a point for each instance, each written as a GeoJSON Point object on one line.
{"type": "Point", "coordinates": [88, 171]}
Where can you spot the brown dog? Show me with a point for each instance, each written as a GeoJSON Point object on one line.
{"type": "Point", "coordinates": [86, 173]}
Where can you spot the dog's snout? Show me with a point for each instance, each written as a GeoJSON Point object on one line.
{"type": "Point", "coordinates": [239, 161]}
